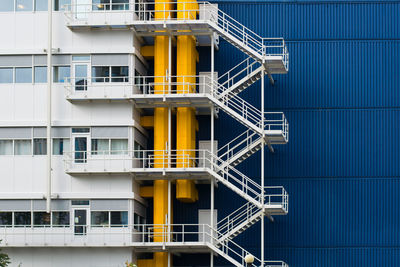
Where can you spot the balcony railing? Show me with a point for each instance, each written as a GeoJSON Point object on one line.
{"type": "Point", "coordinates": [135, 235]}
{"type": "Point", "coordinates": [131, 160]}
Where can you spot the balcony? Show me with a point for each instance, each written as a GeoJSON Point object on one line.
{"type": "Point", "coordinates": [142, 237]}
{"type": "Point", "coordinates": [142, 164]}
{"type": "Point", "coordinates": [111, 16]}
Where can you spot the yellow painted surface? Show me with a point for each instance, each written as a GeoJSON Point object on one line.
{"type": "Point", "coordinates": [145, 263]}
{"type": "Point", "coordinates": [160, 193]}
{"type": "Point", "coordinates": [186, 122]}
{"type": "Point", "coordinates": [146, 191]}
{"type": "Point", "coordinates": [147, 51]}
{"type": "Point", "coordinates": [147, 121]}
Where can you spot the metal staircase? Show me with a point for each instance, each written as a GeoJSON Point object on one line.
{"type": "Point", "coordinates": [265, 56]}
{"type": "Point", "coordinates": [241, 76]}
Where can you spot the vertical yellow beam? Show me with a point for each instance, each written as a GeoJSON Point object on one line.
{"type": "Point", "coordinates": [185, 116]}
{"type": "Point", "coordinates": [160, 133]}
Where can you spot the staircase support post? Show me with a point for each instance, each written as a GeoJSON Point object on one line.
{"type": "Point", "coordinates": [262, 169]}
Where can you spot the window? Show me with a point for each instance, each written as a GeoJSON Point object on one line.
{"type": "Point", "coordinates": [138, 148]}
{"type": "Point", "coordinates": [59, 4]}
{"type": "Point", "coordinates": [5, 218]}
{"type": "Point", "coordinates": [100, 218]}
{"type": "Point", "coordinates": [7, 5]}
{"type": "Point", "coordinates": [6, 75]}
{"type": "Point", "coordinates": [121, 72]}
{"type": "Point", "coordinates": [22, 218]}
{"type": "Point", "coordinates": [108, 73]}
{"type": "Point", "coordinates": [61, 73]}
{"type": "Point", "coordinates": [41, 218]}
{"type": "Point", "coordinates": [137, 219]}
{"type": "Point", "coordinates": [119, 218]}
{"type": "Point", "coordinates": [22, 147]}
{"type": "Point", "coordinates": [6, 147]}
{"type": "Point", "coordinates": [60, 145]}
{"type": "Point", "coordinates": [60, 218]}
{"type": "Point", "coordinates": [101, 74]}
{"type": "Point", "coordinates": [23, 5]}
{"type": "Point", "coordinates": [23, 75]}
{"type": "Point", "coordinates": [39, 146]}
{"type": "Point", "coordinates": [119, 146]}
{"type": "Point", "coordinates": [101, 4]}
{"type": "Point", "coordinates": [120, 4]}
{"type": "Point", "coordinates": [80, 130]}
{"type": "Point", "coordinates": [40, 74]}
{"type": "Point", "coordinates": [40, 5]}
{"type": "Point", "coordinates": [81, 58]}
{"type": "Point", "coordinates": [80, 202]}
{"type": "Point", "coordinates": [100, 146]}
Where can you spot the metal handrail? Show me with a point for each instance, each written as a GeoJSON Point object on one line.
{"type": "Point", "coordinates": [187, 11]}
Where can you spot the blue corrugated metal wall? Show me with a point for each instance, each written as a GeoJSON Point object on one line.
{"type": "Point", "coordinates": [341, 166]}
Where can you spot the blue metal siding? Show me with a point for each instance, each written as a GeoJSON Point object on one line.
{"type": "Point", "coordinates": [342, 164]}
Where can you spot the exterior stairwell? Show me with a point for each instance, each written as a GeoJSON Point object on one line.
{"type": "Point", "coordinates": [241, 76]}
{"type": "Point", "coordinates": [240, 148]}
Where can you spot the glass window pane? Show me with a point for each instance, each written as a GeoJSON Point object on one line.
{"type": "Point", "coordinates": [40, 74]}
{"type": "Point", "coordinates": [119, 146]}
{"type": "Point", "coordinates": [99, 218]}
{"type": "Point", "coordinates": [6, 147]}
{"type": "Point", "coordinates": [22, 218]}
{"type": "Point", "coordinates": [61, 73]}
{"type": "Point", "coordinates": [61, 218]}
{"type": "Point", "coordinates": [121, 72]}
{"type": "Point", "coordinates": [80, 58]}
{"type": "Point", "coordinates": [80, 202]}
{"type": "Point", "coordinates": [100, 146]}
{"type": "Point", "coordinates": [119, 218]}
{"type": "Point", "coordinates": [23, 75]}
{"type": "Point", "coordinates": [24, 5]}
{"type": "Point", "coordinates": [40, 5]}
{"type": "Point", "coordinates": [39, 146]}
{"type": "Point", "coordinates": [22, 147]}
{"type": "Point", "coordinates": [7, 5]}
{"type": "Point", "coordinates": [80, 130]}
{"type": "Point", "coordinates": [120, 4]}
{"type": "Point", "coordinates": [41, 218]}
{"type": "Point", "coordinates": [5, 218]}
{"type": "Point", "coordinates": [6, 75]}
{"type": "Point", "coordinates": [59, 4]}
{"type": "Point", "coordinates": [100, 74]}
{"type": "Point", "coordinates": [60, 145]}
{"type": "Point", "coordinates": [101, 4]}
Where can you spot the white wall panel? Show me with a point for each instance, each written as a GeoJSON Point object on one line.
{"type": "Point", "coordinates": [69, 257]}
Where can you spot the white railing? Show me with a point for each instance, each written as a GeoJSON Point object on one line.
{"type": "Point", "coordinates": [242, 142]}
{"type": "Point", "coordinates": [238, 72]}
{"type": "Point", "coordinates": [134, 235]}
{"type": "Point", "coordinates": [221, 21]}
{"type": "Point", "coordinates": [112, 14]}
{"type": "Point", "coordinates": [126, 160]}
{"type": "Point", "coordinates": [273, 196]}
{"type": "Point", "coordinates": [228, 27]}
{"type": "Point", "coordinates": [148, 160]}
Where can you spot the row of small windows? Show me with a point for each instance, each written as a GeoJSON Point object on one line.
{"type": "Point", "coordinates": [59, 5]}
{"type": "Point", "coordinates": [37, 145]}
{"type": "Point", "coordinates": [37, 218]}
{"type": "Point", "coordinates": [61, 74]}
{"type": "Point", "coordinates": [60, 218]}
{"type": "Point", "coordinates": [60, 145]}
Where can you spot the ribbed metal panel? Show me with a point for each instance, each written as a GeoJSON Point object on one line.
{"type": "Point", "coordinates": [316, 20]}
{"type": "Point", "coordinates": [341, 166]}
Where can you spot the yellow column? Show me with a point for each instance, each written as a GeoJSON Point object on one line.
{"type": "Point", "coordinates": [185, 116]}
{"type": "Point", "coordinates": [160, 134]}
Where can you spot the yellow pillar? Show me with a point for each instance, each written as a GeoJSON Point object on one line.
{"type": "Point", "coordinates": [160, 197]}
{"type": "Point", "coordinates": [185, 116]}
